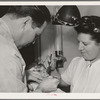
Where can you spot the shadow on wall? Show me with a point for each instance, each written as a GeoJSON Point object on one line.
{"type": "Point", "coordinates": [48, 40]}
{"type": "Point", "coordinates": [28, 54]}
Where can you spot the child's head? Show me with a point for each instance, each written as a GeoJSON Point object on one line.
{"type": "Point", "coordinates": [40, 68]}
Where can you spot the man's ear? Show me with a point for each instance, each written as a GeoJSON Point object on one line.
{"type": "Point", "coordinates": [27, 21]}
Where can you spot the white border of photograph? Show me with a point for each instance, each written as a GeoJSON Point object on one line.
{"type": "Point", "coordinates": [50, 95]}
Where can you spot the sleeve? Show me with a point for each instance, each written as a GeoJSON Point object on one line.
{"type": "Point", "coordinates": [11, 79]}
{"type": "Point", "coordinates": [68, 74]}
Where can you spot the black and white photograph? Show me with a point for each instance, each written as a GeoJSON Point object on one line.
{"type": "Point", "coordinates": [50, 48]}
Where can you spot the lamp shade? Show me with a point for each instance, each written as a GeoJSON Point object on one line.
{"type": "Point", "coordinates": [67, 15]}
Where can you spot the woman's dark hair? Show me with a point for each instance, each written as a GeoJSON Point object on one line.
{"type": "Point", "coordinates": [39, 14]}
{"type": "Point", "coordinates": [90, 25]}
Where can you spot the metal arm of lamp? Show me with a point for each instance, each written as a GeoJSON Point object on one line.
{"type": "Point", "coordinates": [69, 16]}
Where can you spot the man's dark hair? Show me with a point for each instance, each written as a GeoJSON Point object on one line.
{"type": "Point", "coordinates": [3, 10]}
{"type": "Point", "coordinates": [39, 14]}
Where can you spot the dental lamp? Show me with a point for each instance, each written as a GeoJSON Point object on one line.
{"type": "Point", "coordinates": [3, 10]}
{"type": "Point", "coordinates": [68, 16]}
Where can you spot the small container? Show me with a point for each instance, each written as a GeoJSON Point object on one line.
{"type": "Point", "coordinates": [60, 61]}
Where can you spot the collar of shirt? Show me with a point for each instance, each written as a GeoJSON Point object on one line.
{"type": "Point", "coordinates": [90, 64]}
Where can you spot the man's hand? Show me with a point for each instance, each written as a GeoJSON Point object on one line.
{"type": "Point", "coordinates": [48, 85]}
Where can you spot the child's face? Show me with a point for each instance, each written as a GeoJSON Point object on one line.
{"type": "Point", "coordinates": [42, 70]}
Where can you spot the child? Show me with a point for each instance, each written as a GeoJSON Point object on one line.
{"type": "Point", "coordinates": [39, 69]}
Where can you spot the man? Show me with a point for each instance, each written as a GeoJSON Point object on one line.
{"type": "Point", "coordinates": [18, 27]}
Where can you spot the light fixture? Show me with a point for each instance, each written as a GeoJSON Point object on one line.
{"type": "Point", "coordinates": [67, 15]}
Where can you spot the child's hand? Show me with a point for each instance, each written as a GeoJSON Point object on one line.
{"type": "Point", "coordinates": [33, 76]}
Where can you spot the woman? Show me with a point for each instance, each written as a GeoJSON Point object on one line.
{"type": "Point", "coordinates": [83, 72]}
